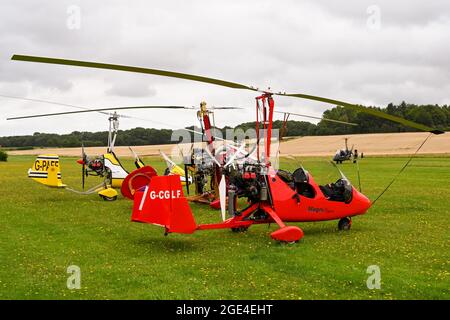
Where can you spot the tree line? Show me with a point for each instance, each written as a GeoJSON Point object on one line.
{"type": "Point", "coordinates": [431, 115]}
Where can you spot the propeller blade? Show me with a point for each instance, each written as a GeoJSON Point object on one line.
{"type": "Point", "coordinates": [186, 178]}
{"type": "Point", "coordinates": [83, 153]}
{"type": "Point", "coordinates": [117, 67]}
{"type": "Point", "coordinates": [83, 169]}
{"type": "Point", "coordinates": [319, 118]}
{"type": "Point", "coordinates": [360, 108]}
{"type": "Point", "coordinates": [95, 110]}
{"type": "Point", "coordinates": [222, 196]}
{"type": "Point", "coordinates": [208, 153]}
{"type": "Point", "coordinates": [83, 166]}
{"type": "Point", "coordinates": [234, 155]}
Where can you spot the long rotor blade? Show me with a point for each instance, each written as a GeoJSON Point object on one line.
{"type": "Point", "coordinates": [95, 110]}
{"type": "Point", "coordinates": [224, 108]}
{"type": "Point", "coordinates": [228, 84]}
{"type": "Point", "coordinates": [319, 118]}
{"type": "Point", "coordinates": [131, 69]}
{"type": "Point", "coordinates": [215, 108]}
{"type": "Point", "coordinates": [370, 111]}
{"type": "Point", "coordinates": [47, 101]}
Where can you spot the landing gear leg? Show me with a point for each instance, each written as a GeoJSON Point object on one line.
{"type": "Point", "coordinates": [345, 224]}
{"type": "Point", "coordinates": [287, 234]}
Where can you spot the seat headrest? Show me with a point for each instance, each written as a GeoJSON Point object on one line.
{"type": "Point", "coordinates": [300, 175]}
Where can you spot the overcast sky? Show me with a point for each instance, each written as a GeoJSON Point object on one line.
{"type": "Point", "coordinates": [368, 52]}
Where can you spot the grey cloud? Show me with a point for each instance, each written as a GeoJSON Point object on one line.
{"type": "Point", "coordinates": [318, 47]}
{"type": "Point", "coordinates": [131, 89]}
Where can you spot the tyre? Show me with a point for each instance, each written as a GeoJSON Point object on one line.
{"type": "Point", "coordinates": [345, 224]}
{"type": "Point", "coordinates": [239, 229]}
{"type": "Point", "coordinates": [109, 198]}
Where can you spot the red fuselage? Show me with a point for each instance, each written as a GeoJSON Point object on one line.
{"type": "Point", "coordinates": [292, 208]}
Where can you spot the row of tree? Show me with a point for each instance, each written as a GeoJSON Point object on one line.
{"type": "Point", "coordinates": [431, 115]}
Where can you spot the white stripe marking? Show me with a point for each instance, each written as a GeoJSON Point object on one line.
{"type": "Point", "coordinates": [143, 199]}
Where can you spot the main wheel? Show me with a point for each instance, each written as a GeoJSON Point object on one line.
{"type": "Point", "coordinates": [239, 229]}
{"type": "Point", "coordinates": [345, 224]}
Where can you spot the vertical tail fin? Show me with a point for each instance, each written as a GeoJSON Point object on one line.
{"type": "Point", "coordinates": [46, 170]}
{"type": "Point", "coordinates": [162, 203]}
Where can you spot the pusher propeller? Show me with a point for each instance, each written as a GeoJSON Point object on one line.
{"type": "Point", "coordinates": [83, 165]}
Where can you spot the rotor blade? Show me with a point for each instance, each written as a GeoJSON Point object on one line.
{"type": "Point", "coordinates": [224, 108]}
{"type": "Point", "coordinates": [228, 84]}
{"type": "Point", "coordinates": [370, 111]}
{"type": "Point", "coordinates": [319, 118]}
{"type": "Point", "coordinates": [95, 110]}
{"type": "Point", "coordinates": [157, 72]}
{"type": "Point", "coordinates": [216, 108]}
{"type": "Point", "coordinates": [47, 101]}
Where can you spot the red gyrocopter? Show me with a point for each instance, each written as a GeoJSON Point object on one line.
{"type": "Point", "coordinates": [272, 196]}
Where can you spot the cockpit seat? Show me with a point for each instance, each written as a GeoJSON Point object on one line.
{"type": "Point", "coordinates": [301, 183]}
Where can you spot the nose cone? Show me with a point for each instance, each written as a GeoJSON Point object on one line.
{"type": "Point", "coordinates": [362, 201]}
{"type": "Point", "coordinates": [80, 161]}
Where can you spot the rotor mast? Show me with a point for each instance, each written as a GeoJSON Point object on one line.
{"type": "Point", "coordinates": [113, 129]}
{"type": "Point", "coordinates": [205, 121]}
{"type": "Point", "coordinates": [265, 104]}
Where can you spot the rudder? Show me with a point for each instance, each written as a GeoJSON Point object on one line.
{"type": "Point", "coordinates": [47, 171]}
{"type": "Point", "coordinates": [163, 203]}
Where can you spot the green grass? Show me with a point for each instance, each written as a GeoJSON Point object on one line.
{"type": "Point", "coordinates": [406, 234]}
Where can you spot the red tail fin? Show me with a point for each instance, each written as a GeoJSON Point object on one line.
{"type": "Point", "coordinates": [163, 203]}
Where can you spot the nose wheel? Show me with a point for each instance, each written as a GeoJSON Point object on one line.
{"type": "Point", "coordinates": [106, 198]}
{"type": "Point", "coordinates": [239, 229]}
{"type": "Point", "coordinates": [345, 224]}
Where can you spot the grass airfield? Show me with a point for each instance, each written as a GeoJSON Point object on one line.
{"type": "Point", "coordinates": [43, 231]}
